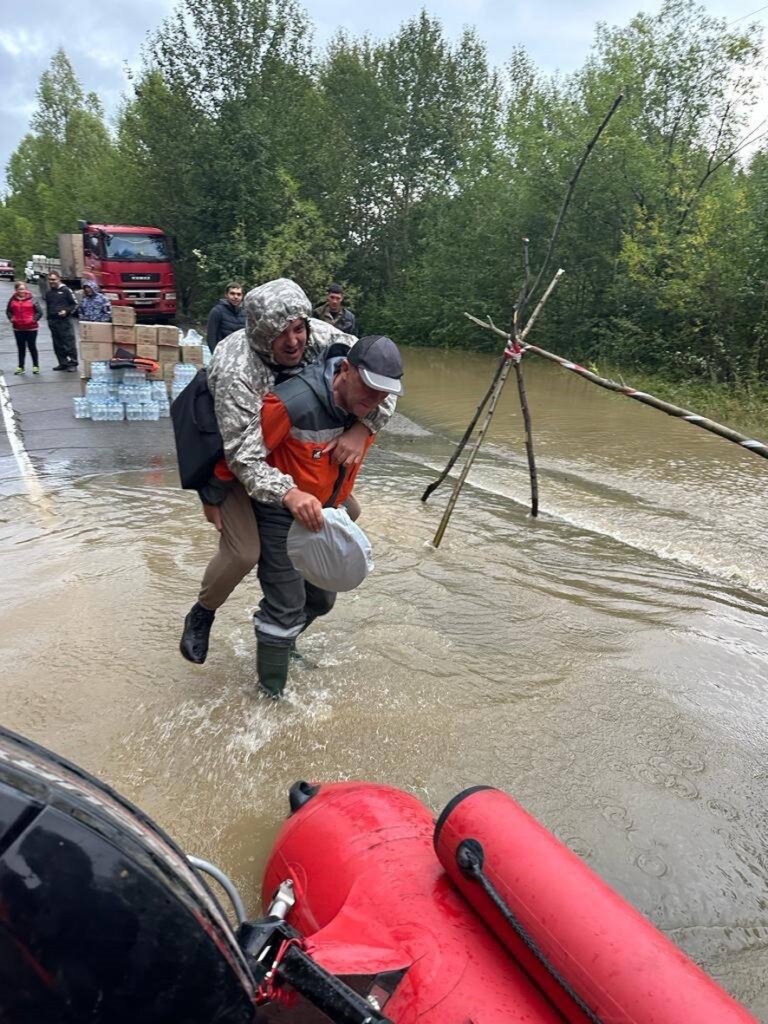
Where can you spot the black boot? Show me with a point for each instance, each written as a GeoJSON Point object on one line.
{"type": "Point", "coordinates": [197, 629]}
{"type": "Point", "coordinates": [272, 667]}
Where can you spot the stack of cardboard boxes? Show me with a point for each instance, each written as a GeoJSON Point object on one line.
{"type": "Point", "coordinates": [99, 342]}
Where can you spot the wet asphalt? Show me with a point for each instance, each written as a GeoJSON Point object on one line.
{"type": "Point", "coordinates": [41, 413]}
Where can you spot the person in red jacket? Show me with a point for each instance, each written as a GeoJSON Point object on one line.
{"type": "Point", "coordinates": [24, 312]}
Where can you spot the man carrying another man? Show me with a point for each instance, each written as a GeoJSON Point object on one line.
{"type": "Point", "coordinates": [334, 312]}
{"type": "Point", "coordinates": [279, 340]}
{"type": "Point", "coordinates": [300, 420]}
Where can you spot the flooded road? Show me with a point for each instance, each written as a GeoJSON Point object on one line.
{"type": "Point", "coordinates": [605, 664]}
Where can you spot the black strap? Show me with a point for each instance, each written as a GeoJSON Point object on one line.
{"type": "Point", "coordinates": [470, 858]}
{"type": "Point", "coordinates": [331, 503]}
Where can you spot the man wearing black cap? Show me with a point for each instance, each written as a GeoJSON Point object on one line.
{"type": "Point", "coordinates": [334, 312]}
{"type": "Point", "coordinates": [300, 421]}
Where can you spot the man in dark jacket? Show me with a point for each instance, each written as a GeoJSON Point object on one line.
{"type": "Point", "coordinates": [227, 316]}
{"type": "Point", "coordinates": [334, 312]}
{"type": "Point", "coordinates": [60, 305]}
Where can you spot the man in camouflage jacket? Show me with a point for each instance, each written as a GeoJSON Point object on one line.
{"type": "Point", "coordinates": [244, 367]}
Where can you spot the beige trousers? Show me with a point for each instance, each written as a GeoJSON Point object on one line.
{"type": "Point", "coordinates": [239, 547]}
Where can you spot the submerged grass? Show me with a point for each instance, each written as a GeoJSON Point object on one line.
{"type": "Point", "coordinates": [743, 407]}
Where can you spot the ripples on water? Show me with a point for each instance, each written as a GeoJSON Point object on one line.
{"type": "Point", "coordinates": [605, 664]}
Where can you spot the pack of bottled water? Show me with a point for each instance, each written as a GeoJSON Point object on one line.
{"type": "Point", "coordinates": [194, 340]}
{"type": "Point", "coordinates": [97, 390]}
{"type": "Point", "coordinates": [183, 373]}
{"type": "Point", "coordinates": [112, 395]}
{"type": "Point", "coordinates": [101, 371]}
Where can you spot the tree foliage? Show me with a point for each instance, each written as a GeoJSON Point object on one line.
{"type": "Point", "coordinates": [411, 169]}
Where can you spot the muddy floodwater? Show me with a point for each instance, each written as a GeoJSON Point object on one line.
{"type": "Point", "coordinates": [606, 664]}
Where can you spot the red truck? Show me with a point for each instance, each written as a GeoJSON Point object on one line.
{"type": "Point", "coordinates": [131, 265]}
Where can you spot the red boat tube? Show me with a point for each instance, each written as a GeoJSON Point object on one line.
{"type": "Point", "coordinates": [579, 940]}
{"type": "Point", "coordinates": [428, 942]}
{"type": "Point", "coordinates": [379, 911]}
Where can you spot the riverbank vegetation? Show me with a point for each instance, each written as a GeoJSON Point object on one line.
{"type": "Point", "coordinates": [411, 169]}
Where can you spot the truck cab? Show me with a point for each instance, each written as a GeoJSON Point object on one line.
{"type": "Point", "coordinates": [130, 264]}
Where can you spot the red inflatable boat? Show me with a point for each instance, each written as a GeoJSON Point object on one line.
{"type": "Point", "coordinates": [482, 917]}
{"type": "Point", "coordinates": [376, 914]}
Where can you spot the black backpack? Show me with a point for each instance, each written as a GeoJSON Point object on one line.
{"type": "Point", "coordinates": [198, 442]}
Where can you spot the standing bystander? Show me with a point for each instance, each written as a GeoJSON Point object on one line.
{"type": "Point", "coordinates": [94, 307]}
{"type": "Point", "coordinates": [333, 311]}
{"type": "Point", "coordinates": [227, 316]}
{"type": "Point", "coordinates": [24, 312]}
{"type": "Point", "coordinates": [60, 305]}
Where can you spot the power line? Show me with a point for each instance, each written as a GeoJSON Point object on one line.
{"type": "Point", "coordinates": [750, 15]}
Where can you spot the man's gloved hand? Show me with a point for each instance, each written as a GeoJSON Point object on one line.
{"type": "Point", "coordinates": [305, 508]}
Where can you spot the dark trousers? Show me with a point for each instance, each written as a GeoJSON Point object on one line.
{"type": "Point", "coordinates": [64, 345]}
{"type": "Point", "coordinates": [26, 340]}
{"type": "Point", "coordinates": [290, 603]}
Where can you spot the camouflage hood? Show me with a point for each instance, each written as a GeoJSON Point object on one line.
{"type": "Point", "coordinates": [268, 311]}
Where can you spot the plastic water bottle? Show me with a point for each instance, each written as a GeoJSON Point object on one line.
{"type": "Point", "coordinates": [100, 371]}
{"type": "Point", "coordinates": [133, 412]}
{"type": "Point", "coordinates": [81, 408]}
{"type": "Point", "coordinates": [115, 411]}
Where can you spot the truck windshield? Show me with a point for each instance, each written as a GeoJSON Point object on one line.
{"type": "Point", "coordinates": [136, 247]}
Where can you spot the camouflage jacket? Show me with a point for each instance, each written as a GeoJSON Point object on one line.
{"type": "Point", "coordinates": [241, 373]}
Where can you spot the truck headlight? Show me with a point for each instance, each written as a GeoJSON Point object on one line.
{"type": "Point", "coordinates": [112, 296]}
{"type": "Point", "coordinates": [170, 296]}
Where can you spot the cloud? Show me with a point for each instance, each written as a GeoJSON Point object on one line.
{"type": "Point", "coordinates": [105, 37]}
{"type": "Point", "coordinates": [99, 43]}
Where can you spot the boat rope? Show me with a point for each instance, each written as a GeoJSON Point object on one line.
{"type": "Point", "coordinates": [470, 858]}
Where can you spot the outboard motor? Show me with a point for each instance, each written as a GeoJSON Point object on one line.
{"type": "Point", "coordinates": [103, 918]}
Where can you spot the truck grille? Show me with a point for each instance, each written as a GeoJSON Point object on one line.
{"type": "Point", "coordinates": [143, 297]}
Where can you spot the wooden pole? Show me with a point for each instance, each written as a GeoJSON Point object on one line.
{"type": "Point", "coordinates": [512, 358]}
{"type": "Point", "coordinates": [749, 444]}
{"type": "Point", "coordinates": [499, 369]}
{"type": "Point", "coordinates": [528, 438]}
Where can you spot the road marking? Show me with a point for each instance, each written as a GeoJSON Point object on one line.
{"type": "Point", "coordinates": [28, 471]}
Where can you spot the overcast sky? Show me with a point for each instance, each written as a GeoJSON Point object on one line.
{"type": "Point", "coordinates": [100, 39]}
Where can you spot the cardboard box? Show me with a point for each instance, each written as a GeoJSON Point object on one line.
{"type": "Point", "coordinates": [123, 335]}
{"type": "Point", "coordinates": [71, 255]}
{"type": "Point", "coordinates": [191, 354]}
{"type": "Point", "coordinates": [168, 370]}
{"type": "Point", "coordinates": [168, 335]}
{"type": "Point", "coordinates": [146, 334]}
{"type": "Point", "coordinates": [124, 315]}
{"type": "Point", "coordinates": [145, 348]}
{"type": "Point", "coordinates": [90, 331]}
{"type": "Point", "coordinates": [96, 351]}
{"type": "Point", "coordinates": [168, 354]}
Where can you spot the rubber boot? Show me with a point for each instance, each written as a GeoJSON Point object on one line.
{"type": "Point", "coordinates": [197, 630]}
{"type": "Point", "coordinates": [272, 668]}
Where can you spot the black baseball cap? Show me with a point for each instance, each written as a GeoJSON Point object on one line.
{"type": "Point", "coordinates": [378, 361]}
{"type": "Point", "coordinates": [335, 289]}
